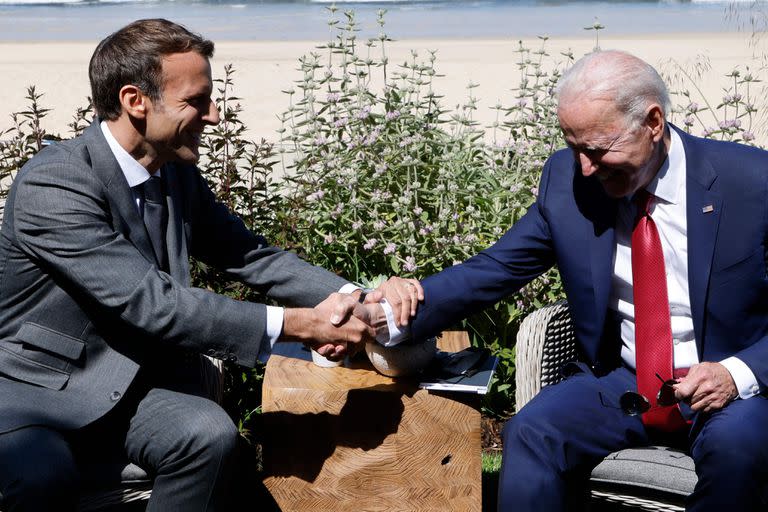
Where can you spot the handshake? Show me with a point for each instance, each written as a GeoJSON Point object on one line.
{"type": "Point", "coordinates": [342, 323]}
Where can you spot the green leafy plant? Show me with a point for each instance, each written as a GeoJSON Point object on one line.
{"type": "Point", "coordinates": [383, 179]}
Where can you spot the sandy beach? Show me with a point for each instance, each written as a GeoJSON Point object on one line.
{"type": "Point", "coordinates": [264, 69]}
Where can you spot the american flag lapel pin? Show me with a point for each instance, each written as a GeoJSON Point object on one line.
{"type": "Point", "coordinates": [708, 209]}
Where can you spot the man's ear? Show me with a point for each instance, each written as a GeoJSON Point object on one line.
{"type": "Point", "coordinates": [134, 102]}
{"type": "Point", "coordinates": [654, 121]}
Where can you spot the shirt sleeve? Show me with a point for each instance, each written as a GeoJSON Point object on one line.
{"type": "Point", "coordinates": [745, 380]}
{"type": "Point", "coordinates": [274, 329]}
{"type": "Point", "coordinates": [394, 334]}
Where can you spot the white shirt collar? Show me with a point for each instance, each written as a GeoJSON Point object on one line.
{"type": "Point", "coordinates": [670, 180]}
{"type": "Point", "coordinates": [134, 172]}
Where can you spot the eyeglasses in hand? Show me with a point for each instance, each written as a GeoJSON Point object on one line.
{"type": "Point", "coordinates": [633, 403]}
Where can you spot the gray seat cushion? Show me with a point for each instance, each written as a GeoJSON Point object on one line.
{"type": "Point", "coordinates": [113, 473]}
{"type": "Point", "coordinates": [110, 483]}
{"type": "Point", "coordinates": [655, 472]}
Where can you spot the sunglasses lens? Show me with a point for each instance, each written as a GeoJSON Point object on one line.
{"type": "Point", "coordinates": [666, 394]}
{"type": "Point", "coordinates": [632, 403]}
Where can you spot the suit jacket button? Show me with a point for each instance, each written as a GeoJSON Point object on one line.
{"type": "Point", "coordinates": [115, 396]}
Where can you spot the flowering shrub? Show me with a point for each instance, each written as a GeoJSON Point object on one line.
{"type": "Point", "coordinates": [385, 180]}
{"type": "Point", "coordinates": [733, 118]}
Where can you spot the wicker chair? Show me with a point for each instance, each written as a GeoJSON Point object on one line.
{"type": "Point", "coordinates": [135, 486]}
{"type": "Point", "coordinates": [653, 478]}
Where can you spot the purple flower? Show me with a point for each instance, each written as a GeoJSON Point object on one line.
{"type": "Point", "coordinates": [315, 196]}
{"type": "Point", "coordinates": [390, 248]}
{"type": "Point", "coordinates": [389, 116]}
{"type": "Point", "coordinates": [370, 244]}
{"type": "Point", "coordinates": [729, 123]}
{"type": "Point", "coordinates": [410, 264]}
{"type": "Point", "coordinates": [364, 113]}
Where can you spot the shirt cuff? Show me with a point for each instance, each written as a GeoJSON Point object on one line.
{"type": "Point", "coordinates": [745, 380]}
{"type": "Point", "coordinates": [394, 335]}
{"type": "Point", "coordinates": [274, 330]}
{"type": "Point", "coordinates": [349, 288]}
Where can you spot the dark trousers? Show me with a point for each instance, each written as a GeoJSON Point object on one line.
{"type": "Point", "coordinates": [186, 442]}
{"type": "Point", "coordinates": [553, 443]}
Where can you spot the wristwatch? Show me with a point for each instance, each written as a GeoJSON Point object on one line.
{"type": "Point", "coordinates": [363, 293]}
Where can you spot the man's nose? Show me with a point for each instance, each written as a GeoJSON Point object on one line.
{"type": "Point", "coordinates": [588, 166]}
{"type": "Point", "coordinates": [212, 117]}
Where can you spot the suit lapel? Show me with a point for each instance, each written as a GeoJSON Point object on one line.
{"type": "Point", "coordinates": [704, 208]}
{"type": "Point", "coordinates": [598, 228]}
{"type": "Point", "coordinates": [601, 259]}
{"type": "Point", "coordinates": [126, 216]}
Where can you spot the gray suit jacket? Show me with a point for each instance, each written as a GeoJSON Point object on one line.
{"type": "Point", "coordinates": [82, 303]}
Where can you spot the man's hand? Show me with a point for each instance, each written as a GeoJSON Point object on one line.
{"type": "Point", "coordinates": [330, 327]}
{"type": "Point", "coordinates": [402, 294]}
{"type": "Point", "coordinates": [707, 387]}
{"type": "Point", "coordinates": [371, 315]}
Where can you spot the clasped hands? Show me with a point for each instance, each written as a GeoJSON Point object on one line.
{"type": "Point", "coordinates": [341, 324]}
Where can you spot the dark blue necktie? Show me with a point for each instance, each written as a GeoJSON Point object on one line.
{"type": "Point", "coordinates": [155, 214]}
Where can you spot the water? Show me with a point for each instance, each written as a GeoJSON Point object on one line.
{"type": "Point", "coordinates": [90, 20]}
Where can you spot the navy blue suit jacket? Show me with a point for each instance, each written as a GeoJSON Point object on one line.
{"type": "Point", "coordinates": [572, 225]}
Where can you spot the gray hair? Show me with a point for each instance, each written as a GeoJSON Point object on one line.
{"type": "Point", "coordinates": [632, 83]}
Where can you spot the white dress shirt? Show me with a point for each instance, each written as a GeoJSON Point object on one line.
{"type": "Point", "coordinates": [669, 213]}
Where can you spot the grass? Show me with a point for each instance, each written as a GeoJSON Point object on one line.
{"type": "Point", "coordinates": [491, 464]}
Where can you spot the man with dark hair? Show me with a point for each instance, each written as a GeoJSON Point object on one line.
{"type": "Point", "coordinates": [100, 330]}
{"type": "Point", "coordinates": [660, 239]}
{"type": "Point", "coordinates": [134, 55]}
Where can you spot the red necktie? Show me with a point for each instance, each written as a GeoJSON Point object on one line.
{"type": "Point", "coordinates": [653, 329]}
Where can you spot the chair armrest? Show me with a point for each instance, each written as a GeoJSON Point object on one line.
{"type": "Point", "coordinates": [545, 342]}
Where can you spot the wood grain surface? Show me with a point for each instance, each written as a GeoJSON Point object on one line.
{"type": "Point", "coordinates": [350, 439]}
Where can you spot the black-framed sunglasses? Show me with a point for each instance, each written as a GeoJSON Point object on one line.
{"type": "Point", "coordinates": [633, 403]}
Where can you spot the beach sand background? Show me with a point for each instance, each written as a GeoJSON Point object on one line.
{"type": "Point", "coordinates": [265, 68]}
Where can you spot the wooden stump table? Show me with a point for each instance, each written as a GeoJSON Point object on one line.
{"type": "Point", "coordinates": [351, 439]}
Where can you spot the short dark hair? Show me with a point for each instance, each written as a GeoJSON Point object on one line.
{"type": "Point", "coordinates": [134, 55]}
